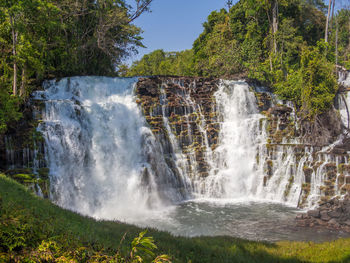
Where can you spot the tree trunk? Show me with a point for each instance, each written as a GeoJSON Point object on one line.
{"type": "Point", "coordinates": [23, 82]}
{"type": "Point", "coordinates": [14, 53]}
{"type": "Point", "coordinates": [275, 24]}
{"type": "Point", "coordinates": [271, 67]}
{"type": "Point", "coordinates": [332, 17]}
{"type": "Point", "coordinates": [336, 43]}
{"type": "Point", "coordinates": [327, 21]}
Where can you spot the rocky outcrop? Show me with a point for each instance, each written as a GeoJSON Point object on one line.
{"type": "Point", "coordinates": [187, 107]}
{"type": "Point", "coordinates": [322, 131]}
{"type": "Point", "coordinates": [333, 214]}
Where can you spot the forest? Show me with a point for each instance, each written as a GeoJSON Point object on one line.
{"type": "Point", "coordinates": [45, 39]}
{"type": "Point", "coordinates": [291, 46]}
{"type": "Point", "coordinates": [294, 47]}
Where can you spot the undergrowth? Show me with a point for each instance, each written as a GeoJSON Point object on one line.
{"type": "Point", "coordinates": [34, 230]}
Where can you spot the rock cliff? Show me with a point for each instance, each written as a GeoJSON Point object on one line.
{"type": "Point", "coordinates": [303, 162]}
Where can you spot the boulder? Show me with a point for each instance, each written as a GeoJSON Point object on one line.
{"type": "Point", "coordinates": [335, 214]}
{"type": "Point", "coordinates": [333, 223]}
{"type": "Point", "coordinates": [314, 213]}
{"type": "Point", "coordinates": [324, 215]}
{"type": "Point", "coordinates": [280, 110]}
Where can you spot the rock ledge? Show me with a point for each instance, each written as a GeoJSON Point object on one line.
{"type": "Point", "coordinates": [333, 214]}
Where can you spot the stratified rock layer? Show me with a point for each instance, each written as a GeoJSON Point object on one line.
{"type": "Point", "coordinates": [187, 107]}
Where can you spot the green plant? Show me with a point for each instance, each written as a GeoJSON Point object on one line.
{"type": "Point", "coordinates": [12, 232]}
{"type": "Point", "coordinates": [142, 247]}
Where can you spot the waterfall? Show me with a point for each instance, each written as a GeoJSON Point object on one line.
{"type": "Point", "coordinates": [233, 173]}
{"type": "Point", "coordinates": [100, 151]}
{"type": "Point", "coordinates": [118, 149]}
{"type": "Point", "coordinates": [344, 78]}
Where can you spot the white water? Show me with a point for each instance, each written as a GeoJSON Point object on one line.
{"type": "Point", "coordinates": [100, 150]}
{"type": "Point", "coordinates": [233, 174]}
{"type": "Point", "coordinates": [105, 161]}
{"type": "Point", "coordinates": [344, 107]}
{"type": "Point", "coordinates": [344, 78]}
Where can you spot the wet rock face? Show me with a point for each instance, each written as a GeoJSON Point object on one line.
{"type": "Point", "coordinates": [187, 107]}
{"type": "Point", "coordinates": [22, 143]}
{"type": "Point", "coordinates": [308, 145]}
{"type": "Point", "coordinates": [334, 214]}
{"type": "Point", "coordinates": [344, 78]}
{"type": "Point", "coordinates": [323, 131]}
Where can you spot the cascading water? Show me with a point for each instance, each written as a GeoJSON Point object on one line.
{"type": "Point", "coordinates": [100, 150]}
{"type": "Point", "coordinates": [115, 152]}
{"type": "Point", "coordinates": [233, 173]}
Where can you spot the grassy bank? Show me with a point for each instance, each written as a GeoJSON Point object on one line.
{"type": "Point", "coordinates": [31, 225]}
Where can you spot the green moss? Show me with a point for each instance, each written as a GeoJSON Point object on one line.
{"type": "Point", "coordinates": [44, 173]}
{"type": "Point", "coordinates": [19, 171]}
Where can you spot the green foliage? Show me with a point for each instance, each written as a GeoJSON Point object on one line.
{"type": "Point", "coordinates": [64, 38]}
{"type": "Point", "coordinates": [242, 42]}
{"type": "Point", "coordinates": [342, 22]}
{"type": "Point", "coordinates": [313, 86]}
{"type": "Point", "coordinates": [42, 232]}
{"type": "Point", "coordinates": [12, 232]}
{"type": "Point", "coordinates": [41, 39]}
{"type": "Point", "coordinates": [142, 247]}
{"type": "Point", "coordinates": [159, 62]}
{"type": "Point", "coordinates": [9, 109]}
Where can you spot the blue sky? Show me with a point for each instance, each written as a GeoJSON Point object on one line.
{"type": "Point", "coordinates": [173, 25]}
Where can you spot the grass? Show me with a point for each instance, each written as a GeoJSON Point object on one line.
{"type": "Point", "coordinates": [37, 219]}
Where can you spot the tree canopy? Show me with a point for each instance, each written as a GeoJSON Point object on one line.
{"type": "Point", "coordinates": [273, 41]}
{"type": "Point", "coordinates": [41, 39]}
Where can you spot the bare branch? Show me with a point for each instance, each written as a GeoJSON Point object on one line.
{"type": "Point", "coordinates": [141, 6]}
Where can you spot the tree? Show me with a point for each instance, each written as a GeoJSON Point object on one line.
{"type": "Point", "coordinates": [41, 39]}
{"type": "Point", "coordinates": [327, 21]}
{"type": "Point", "coordinates": [141, 7]}
{"type": "Point", "coordinates": [312, 86]}
{"type": "Point", "coordinates": [12, 10]}
{"type": "Point", "coordinates": [229, 4]}
{"type": "Point", "coordinates": [160, 62]}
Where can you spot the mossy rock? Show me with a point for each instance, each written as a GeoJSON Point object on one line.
{"type": "Point", "coordinates": [24, 178]}
{"type": "Point", "coordinates": [19, 171]}
{"type": "Point", "coordinates": [306, 187]}
{"type": "Point", "coordinates": [347, 180]}
{"type": "Point", "coordinates": [44, 173]}
{"type": "Point", "coordinates": [269, 167]}
{"type": "Point", "coordinates": [325, 199]}
{"type": "Point", "coordinates": [289, 186]}
{"type": "Point", "coordinates": [344, 168]}
{"type": "Point", "coordinates": [308, 173]}
{"type": "Point", "coordinates": [341, 179]}
{"type": "Point", "coordinates": [331, 167]}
